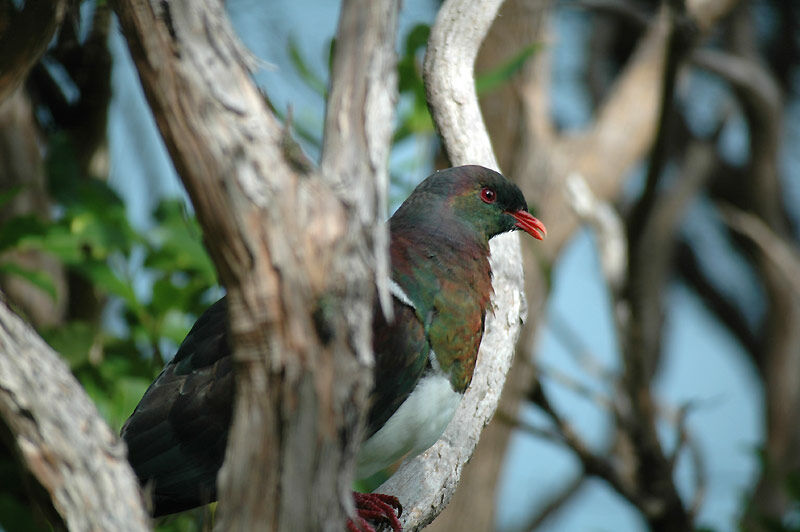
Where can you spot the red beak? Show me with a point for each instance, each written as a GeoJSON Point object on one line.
{"type": "Point", "coordinates": [529, 224]}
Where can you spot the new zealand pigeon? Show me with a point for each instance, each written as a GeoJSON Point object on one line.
{"type": "Point", "coordinates": [424, 357]}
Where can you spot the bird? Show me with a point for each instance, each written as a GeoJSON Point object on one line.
{"type": "Point", "coordinates": [425, 354]}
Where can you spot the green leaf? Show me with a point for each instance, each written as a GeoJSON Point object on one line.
{"type": "Point", "coordinates": [175, 325]}
{"type": "Point", "coordinates": [62, 243]}
{"type": "Point", "coordinates": [300, 65]}
{"type": "Point", "coordinates": [73, 341]}
{"type": "Point", "coordinates": [175, 243]}
{"type": "Point", "coordinates": [127, 393]}
{"type": "Point", "coordinates": [493, 79]}
{"type": "Point", "coordinates": [417, 38]}
{"type": "Point", "coordinates": [20, 230]}
{"type": "Point", "coordinates": [37, 278]}
{"type": "Point", "coordinates": [101, 275]}
{"type": "Point", "coordinates": [17, 515]}
{"type": "Point", "coordinates": [9, 194]}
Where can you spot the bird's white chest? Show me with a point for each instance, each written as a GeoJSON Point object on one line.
{"type": "Point", "coordinates": [414, 427]}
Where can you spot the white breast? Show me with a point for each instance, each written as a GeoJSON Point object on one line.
{"type": "Point", "coordinates": [414, 427]}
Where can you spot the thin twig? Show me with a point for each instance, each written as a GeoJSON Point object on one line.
{"type": "Point", "coordinates": [570, 339]}
{"type": "Point", "coordinates": [776, 249]}
{"type": "Point", "coordinates": [555, 502]}
{"type": "Point", "coordinates": [575, 385]}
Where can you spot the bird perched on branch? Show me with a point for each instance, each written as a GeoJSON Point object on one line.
{"type": "Point", "coordinates": [424, 356]}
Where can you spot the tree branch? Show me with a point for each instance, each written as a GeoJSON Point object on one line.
{"type": "Point", "coordinates": [61, 438]}
{"type": "Point", "coordinates": [358, 121]}
{"type": "Point", "coordinates": [721, 306]}
{"type": "Point", "coordinates": [555, 503]}
{"type": "Point", "coordinates": [290, 253]}
{"type": "Point", "coordinates": [432, 477]}
{"type": "Point", "coordinates": [783, 255]}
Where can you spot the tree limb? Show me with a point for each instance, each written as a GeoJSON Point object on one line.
{"type": "Point", "coordinates": [538, 157]}
{"type": "Point", "coordinates": [783, 255]}
{"type": "Point", "coordinates": [289, 251]}
{"type": "Point", "coordinates": [432, 477]}
{"type": "Point", "coordinates": [358, 122]}
{"type": "Point", "coordinates": [729, 314]}
{"type": "Point", "coordinates": [61, 438]}
{"type": "Point", "coordinates": [562, 495]}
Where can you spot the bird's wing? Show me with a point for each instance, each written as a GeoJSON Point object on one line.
{"type": "Point", "coordinates": [401, 356]}
{"type": "Point", "coordinates": [177, 435]}
{"type": "Point", "coordinates": [456, 327]}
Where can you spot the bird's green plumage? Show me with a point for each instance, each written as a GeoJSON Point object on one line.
{"type": "Point", "coordinates": [439, 251]}
{"type": "Point", "coordinates": [440, 257]}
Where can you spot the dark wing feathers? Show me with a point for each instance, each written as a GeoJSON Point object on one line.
{"type": "Point", "coordinates": [401, 356]}
{"type": "Point", "coordinates": [177, 435]}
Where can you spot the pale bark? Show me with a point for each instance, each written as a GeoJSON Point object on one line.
{"type": "Point", "coordinates": [60, 437]}
{"type": "Point", "coordinates": [428, 481]}
{"type": "Point", "coordinates": [294, 251]}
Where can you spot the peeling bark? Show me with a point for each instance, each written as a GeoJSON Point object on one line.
{"type": "Point", "coordinates": [293, 249]}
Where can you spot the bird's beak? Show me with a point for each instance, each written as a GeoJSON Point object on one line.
{"type": "Point", "coordinates": [529, 224]}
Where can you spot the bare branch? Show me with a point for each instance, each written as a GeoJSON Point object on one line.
{"type": "Point", "coordinates": [556, 501]}
{"type": "Point", "coordinates": [358, 122]}
{"type": "Point", "coordinates": [640, 327]}
{"type": "Point", "coordinates": [61, 438]}
{"type": "Point", "coordinates": [593, 463]}
{"type": "Point", "coordinates": [782, 254]}
{"type": "Point", "coordinates": [677, 45]}
{"type": "Point", "coordinates": [611, 239]}
{"type": "Point", "coordinates": [729, 314]}
{"type": "Point", "coordinates": [459, 29]}
{"type": "Point", "coordinates": [759, 90]}
{"type": "Point", "coordinates": [285, 246]}
{"type": "Point", "coordinates": [706, 13]}
{"type": "Point", "coordinates": [570, 338]}
{"type": "Point", "coordinates": [629, 11]}
{"type": "Point", "coordinates": [450, 82]}
{"type": "Point", "coordinates": [687, 441]}
{"type": "Point", "coordinates": [574, 385]}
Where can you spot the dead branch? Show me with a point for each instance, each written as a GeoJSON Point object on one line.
{"type": "Point", "coordinates": [570, 338]}
{"type": "Point", "coordinates": [686, 441]}
{"type": "Point", "coordinates": [600, 215]}
{"type": "Point", "coordinates": [778, 362]}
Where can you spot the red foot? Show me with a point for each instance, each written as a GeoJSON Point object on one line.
{"type": "Point", "coordinates": [378, 508]}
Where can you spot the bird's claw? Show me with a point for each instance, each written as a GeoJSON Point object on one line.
{"type": "Point", "coordinates": [376, 508]}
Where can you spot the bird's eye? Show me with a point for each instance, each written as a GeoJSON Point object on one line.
{"type": "Point", "coordinates": [488, 195]}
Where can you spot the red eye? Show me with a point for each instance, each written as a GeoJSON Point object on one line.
{"type": "Point", "coordinates": [488, 195]}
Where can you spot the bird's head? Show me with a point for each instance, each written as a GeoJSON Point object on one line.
{"type": "Point", "coordinates": [477, 197]}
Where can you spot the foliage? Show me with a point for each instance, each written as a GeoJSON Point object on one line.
{"type": "Point", "coordinates": [154, 282]}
